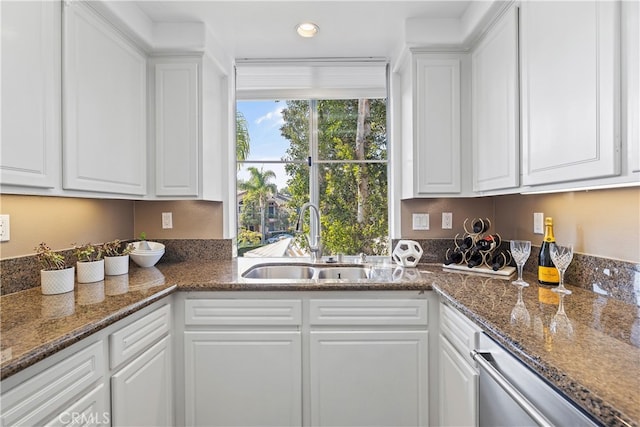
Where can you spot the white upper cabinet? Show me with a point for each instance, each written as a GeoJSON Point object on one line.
{"type": "Point", "coordinates": [570, 90]}
{"type": "Point", "coordinates": [631, 77]}
{"type": "Point", "coordinates": [105, 100]}
{"type": "Point", "coordinates": [31, 94]}
{"type": "Point", "coordinates": [176, 129]}
{"type": "Point", "coordinates": [495, 111]}
{"type": "Point", "coordinates": [188, 98]}
{"type": "Point", "coordinates": [436, 124]}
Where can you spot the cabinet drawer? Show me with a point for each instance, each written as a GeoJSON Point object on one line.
{"type": "Point", "coordinates": [459, 330]}
{"type": "Point", "coordinates": [368, 312]}
{"type": "Point", "coordinates": [42, 395]}
{"type": "Point", "coordinates": [243, 312]}
{"type": "Point", "coordinates": [139, 335]}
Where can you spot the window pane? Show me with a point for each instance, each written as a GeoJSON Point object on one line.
{"type": "Point", "coordinates": [353, 203]}
{"type": "Point", "coordinates": [266, 123]}
{"type": "Point", "coordinates": [352, 129]}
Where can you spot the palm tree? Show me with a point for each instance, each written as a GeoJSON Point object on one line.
{"type": "Point", "coordinates": [242, 138]}
{"type": "Point", "coordinates": [259, 189]}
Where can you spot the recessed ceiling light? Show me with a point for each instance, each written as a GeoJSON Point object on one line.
{"type": "Point", "coordinates": [307, 29]}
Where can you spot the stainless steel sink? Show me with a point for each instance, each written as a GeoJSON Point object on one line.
{"type": "Point", "coordinates": [288, 271]}
{"type": "Point", "coordinates": [305, 271]}
{"type": "Point", "coordinates": [350, 273]}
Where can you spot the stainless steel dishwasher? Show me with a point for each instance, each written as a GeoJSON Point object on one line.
{"type": "Point", "coordinates": [510, 394]}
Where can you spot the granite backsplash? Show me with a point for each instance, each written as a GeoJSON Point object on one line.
{"type": "Point", "coordinates": [21, 273]}
{"type": "Point", "coordinates": [604, 276]}
{"type": "Point", "coordinates": [613, 278]}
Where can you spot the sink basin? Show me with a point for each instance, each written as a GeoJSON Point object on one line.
{"type": "Point", "coordinates": [289, 271]}
{"type": "Point", "coordinates": [350, 273]}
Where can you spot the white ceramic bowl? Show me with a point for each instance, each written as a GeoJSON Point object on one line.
{"type": "Point", "coordinates": [147, 258]}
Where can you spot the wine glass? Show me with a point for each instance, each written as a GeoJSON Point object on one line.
{"type": "Point", "coordinates": [560, 324]}
{"type": "Point", "coordinates": [519, 314]}
{"type": "Point", "coordinates": [561, 257]}
{"type": "Point", "coordinates": [520, 250]}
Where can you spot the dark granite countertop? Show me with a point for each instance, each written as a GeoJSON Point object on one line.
{"type": "Point", "coordinates": [597, 365]}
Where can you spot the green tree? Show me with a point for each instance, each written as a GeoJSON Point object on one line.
{"type": "Point", "coordinates": [243, 141]}
{"type": "Point", "coordinates": [259, 189]}
{"type": "Point", "coordinates": [353, 196]}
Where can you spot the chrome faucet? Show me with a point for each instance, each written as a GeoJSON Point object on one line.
{"type": "Point", "coordinates": [313, 238]}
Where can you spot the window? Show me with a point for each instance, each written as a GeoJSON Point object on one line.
{"type": "Point", "coordinates": [331, 151]}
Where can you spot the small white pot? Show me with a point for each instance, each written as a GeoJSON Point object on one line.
{"type": "Point", "coordinates": [116, 265]}
{"type": "Point", "coordinates": [92, 271]}
{"type": "Point", "coordinates": [55, 282]}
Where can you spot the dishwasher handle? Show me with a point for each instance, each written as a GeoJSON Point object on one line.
{"type": "Point", "coordinates": [482, 358]}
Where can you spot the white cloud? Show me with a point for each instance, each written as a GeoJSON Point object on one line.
{"type": "Point", "coordinates": [274, 117]}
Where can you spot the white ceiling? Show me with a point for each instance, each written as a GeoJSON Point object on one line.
{"type": "Point", "coordinates": [266, 29]}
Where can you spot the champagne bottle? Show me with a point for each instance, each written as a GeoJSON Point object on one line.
{"type": "Point", "coordinates": [547, 272]}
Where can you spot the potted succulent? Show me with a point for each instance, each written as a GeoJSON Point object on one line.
{"type": "Point", "coordinates": [116, 257]}
{"type": "Point", "coordinates": [56, 276]}
{"type": "Point", "coordinates": [90, 264]}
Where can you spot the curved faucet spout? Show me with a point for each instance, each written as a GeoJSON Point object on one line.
{"type": "Point", "coordinates": [313, 238]}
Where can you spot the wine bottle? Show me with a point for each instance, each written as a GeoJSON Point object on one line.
{"type": "Point", "coordinates": [455, 257]}
{"type": "Point", "coordinates": [547, 272]}
{"type": "Point", "coordinates": [475, 259]}
{"type": "Point", "coordinates": [488, 243]}
{"type": "Point", "coordinates": [480, 226]}
{"type": "Point", "coordinates": [467, 243]}
{"type": "Point", "coordinates": [500, 260]}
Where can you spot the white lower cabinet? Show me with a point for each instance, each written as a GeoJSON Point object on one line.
{"type": "Point", "coordinates": [458, 388]}
{"type": "Point", "coordinates": [369, 378]}
{"type": "Point", "coordinates": [243, 378]}
{"type": "Point", "coordinates": [291, 359]}
{"type": "Point", "coordinates": [458, 382]}
{"type": "Point", "coordinates": [141, 391]}
{"type": "Point", "coordinates": [68, 392]}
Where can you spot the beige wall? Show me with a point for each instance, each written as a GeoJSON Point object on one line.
{"type": "Point", "coordinates": [192, 219]}
{"type": "Point", "coordinates": [603, 223]}
{"type": "Point", "coordinates": [62, 221]}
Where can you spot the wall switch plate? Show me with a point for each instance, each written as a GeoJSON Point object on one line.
{"type": "Point", "coordinates": [447, 220]}
{"type": "Point", "coordinates": [5, 228]}
{"type": "Point", "coordinates": [420, 221]}
{"type": "Point", "coordinates": [538, 223]}
{"type": "Point", "coordinates": [167, 220]}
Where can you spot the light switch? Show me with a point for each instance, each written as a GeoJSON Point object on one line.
{"type": "Point", "coordinates": [447, 220]}
{"type": "Point", "coordinates": [167, 220]}
{"type": "Point", "coordinates": [5, 228]}
{"type": "Point", "coordinates": [420, 221]}
{"type": "Point", "coordinates": [538, 223]}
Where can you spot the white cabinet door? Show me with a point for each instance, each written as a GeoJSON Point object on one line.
{"type": "Point", "coordinates": [243, 378]}
{"type": "Point", "coordinates": [92, 409]}
{"type": "Point", "coordinates": [369, 378]}
{"type": "Point", "coordinates": [104, 103]}
{"type": "Point", "coordinates": [495, 115]}
{"type": "Point", "coordinates": [570, 90]}
{"type": "Point", "coordinates": [631, 73]}
{"type": "Point", "coordinates": [31, 94]}
{"type": "Point", "coordinates": [177, 130]}
{"type": "Point", "coordinates": [141, 392]}
{"type": "Point", "coordinates": [458, 388]}
{"type": "Point", "coordinates": [436, 124]}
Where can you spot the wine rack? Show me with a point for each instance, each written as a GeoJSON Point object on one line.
{"type": "Point", "coordinates": [478, 250]}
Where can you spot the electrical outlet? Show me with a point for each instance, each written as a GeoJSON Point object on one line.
{"type": "Point", "coordinates": [420, 221]}
{"type": "Point", "coordinates": [447, 220]}
{"type": "Point", "coordinates": [5, 228]}
{"type": "Point", "coordinates": [167, 220]}
{"type": "Point", "coordinates": [538, 223]}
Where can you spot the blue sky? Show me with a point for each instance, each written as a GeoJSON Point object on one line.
{"type": "Point", "coordinates": [264, 119]}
